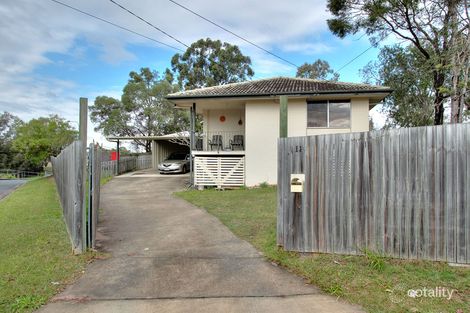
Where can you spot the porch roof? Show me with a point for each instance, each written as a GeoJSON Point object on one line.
{"type": "Point", "coordinates": [279, 86]}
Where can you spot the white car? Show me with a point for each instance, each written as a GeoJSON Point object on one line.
{"type": "Point", "coordinates": [176, 163]}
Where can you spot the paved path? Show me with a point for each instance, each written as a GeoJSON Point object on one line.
{"type": "Point", "coordinates": [169, 256]}
{"type": "Point", "coordinates": [8, 185]}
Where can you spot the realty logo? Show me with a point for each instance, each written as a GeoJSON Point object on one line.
{"type": "Point", "coordinates": [437, 292]}
{"type": "Point", "coordinates": [400, 291]}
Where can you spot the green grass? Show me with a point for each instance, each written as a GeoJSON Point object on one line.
{"type": "Point", "coordinates": [35, 253]}
{"type": "Point", "coordinates": [105, 180]}
{"type": "Point", "coordinates": [374, 281]}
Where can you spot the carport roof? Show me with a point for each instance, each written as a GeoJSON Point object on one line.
{"type": "Point", "coordinates": [184, 134]}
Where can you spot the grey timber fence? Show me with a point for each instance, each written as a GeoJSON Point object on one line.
{"type": "Point", "coordinates": [404, 193]}
{"type": "Point", "coordinates": [67, 169]}
{"type": "Point", "coordinates": [79, 195]}
{"type": "Point", "coordinates": [108, 168]}
{"type": "Point", "coordinates": [94, 179]}
{"type": "Point", "coordinates": [126, 164]}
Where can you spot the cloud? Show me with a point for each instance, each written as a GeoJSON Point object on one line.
{"type": "Point", "coordinates": [31, 32]}
{"type": "Point", "coordinates": [308, 48]}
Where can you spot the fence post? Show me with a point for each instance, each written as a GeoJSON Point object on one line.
{"type": "Point", "coordinates": [90, 188]}
{"type": "Point", "coordinates": [83, 158]}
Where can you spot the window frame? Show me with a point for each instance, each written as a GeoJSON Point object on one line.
{"type": "Point", "coordinates": [328, 113]}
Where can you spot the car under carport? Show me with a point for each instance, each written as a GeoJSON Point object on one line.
{"type": "Point", "coordinates": [161, 146]}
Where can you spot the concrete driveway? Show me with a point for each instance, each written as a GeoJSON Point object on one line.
{"type": "Point", "coordinates": [169, 256]}
{"type": "Point", "coordinates": [8, 185]}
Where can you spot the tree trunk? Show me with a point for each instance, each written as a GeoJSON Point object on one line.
{"type": "Point", "coordinates": [455, 116]}
{"type": "Point", "coordinates": [438, 98]}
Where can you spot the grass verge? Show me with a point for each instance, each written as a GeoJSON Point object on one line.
{"type": "Point", "coordinates": [36, 260]}
{"type": "Point", "coordinates": [377, 283]}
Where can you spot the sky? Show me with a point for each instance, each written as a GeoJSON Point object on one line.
{"type": "Point", "coordinates": [50, 55]}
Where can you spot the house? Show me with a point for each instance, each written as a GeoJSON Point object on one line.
{"type": "Point", "coordinates": [241, 122]}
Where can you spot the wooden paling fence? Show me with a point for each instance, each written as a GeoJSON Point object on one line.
{"type": "Point", "coordinates": [94, 181]}
{"type": "Point", "coordinates": [80, 214]}
{"type": "Point", "coordinates": [68, 175]}
{"type": "Point", "coordinates": [402, 192]}
{"type": "Point", "coordinates": [126, 164]}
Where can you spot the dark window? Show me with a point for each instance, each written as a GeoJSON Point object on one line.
{"type": "Point", "coordinates": [317, 114]}
{"type": "Point", "coordinates": [177, 156]}
{"type": "Point", "coordinates": [332, 114]}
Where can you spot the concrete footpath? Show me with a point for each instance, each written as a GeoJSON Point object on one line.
{"type": "Point", "coordinates": [168, 256]}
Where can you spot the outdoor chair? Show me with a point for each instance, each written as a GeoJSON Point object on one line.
{"type": "Point", "coordinates": [199, 144]}
{"type": "Point", "coordinates": [216, 142]}
{"type": "Point", "coordinates": [237, 142]}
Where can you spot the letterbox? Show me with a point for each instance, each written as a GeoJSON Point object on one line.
{"type": "Point", "coordinates": [297, 182]}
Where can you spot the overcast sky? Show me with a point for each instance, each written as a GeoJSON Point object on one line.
{"type": "Point", "coordinates": [51, 55]}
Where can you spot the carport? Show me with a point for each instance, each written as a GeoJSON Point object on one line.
{"type": "Point", "coordinates": [162, 146]}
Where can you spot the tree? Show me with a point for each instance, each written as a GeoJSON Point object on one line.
{"type": "Point", "coordinates": [431, 26]}
{"type": "Point", "coordinates": [41, 138]}
{"type": "Point", "coordinates": [210, 62]}
{"type": "Point", "coordinates": [319, 69]}
{"type": "Point", "coordinates": [8, 126]}
{"type": "Point", "coordinates": [142, 110]}
{"type": "Point", "coordinates": [403, 69]}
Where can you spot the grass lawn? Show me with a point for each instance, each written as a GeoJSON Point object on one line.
{"type": "Point", "coordinates": [35, 253]}
{"type": "Point", "coordinates": [378, 284]}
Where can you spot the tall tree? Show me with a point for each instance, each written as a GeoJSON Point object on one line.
{"type": "Point", "coordinates": [403, 69]}
{"type": "Point", "coordinates": [8, 126]}
{"type": "Point", "coordinates": [41, 138]}
{"type": "Point", "coordinates": [320, 69]}
{"type": "Point", "coordinates": [210, 62]}
{"type": "Point", "coordinates": [429, 25]}
{"type": "Point", "coordinates": [142, 110]}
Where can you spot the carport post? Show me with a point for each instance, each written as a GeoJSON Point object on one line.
{"type": "Point", "coordinates": [191, 142]}
{"type": "Point", "coordinates": [283, 116]}
{"type": "Point", "coordinates": [117, 157]}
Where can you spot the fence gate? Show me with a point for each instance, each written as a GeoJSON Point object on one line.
{"type": "Point", "coordinates": [94, 178]}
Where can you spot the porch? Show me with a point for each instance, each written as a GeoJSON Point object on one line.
{"type": "Point", "coordinates": [220, 142]}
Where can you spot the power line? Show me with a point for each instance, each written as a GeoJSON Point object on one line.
{"type": "Point", "coordinates": [153, 26]}
{"type": "Point", "coordinates": [360, 54]}
{"type": "Point", "coordinates": [116, 25]}
{"type": "Point", "coordinates": [148, 23]}
{"type": "Point", "coordinates": [231, 32]}
{"type": "Point", "coordinates": [354, 59]}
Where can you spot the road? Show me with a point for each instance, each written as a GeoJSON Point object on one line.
{"type": "Point", "coordinates": [8, 185]}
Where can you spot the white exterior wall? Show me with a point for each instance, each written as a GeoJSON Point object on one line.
{"type": "Point", "coordinates": [212, 121]}
{"type": "Point", "coordinates": [262, 132]}
{"type": "Point", "coordinates": [212, 124]}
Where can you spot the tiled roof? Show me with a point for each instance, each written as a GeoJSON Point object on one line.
{"type": "Point", "coordinates": [278, 86]}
